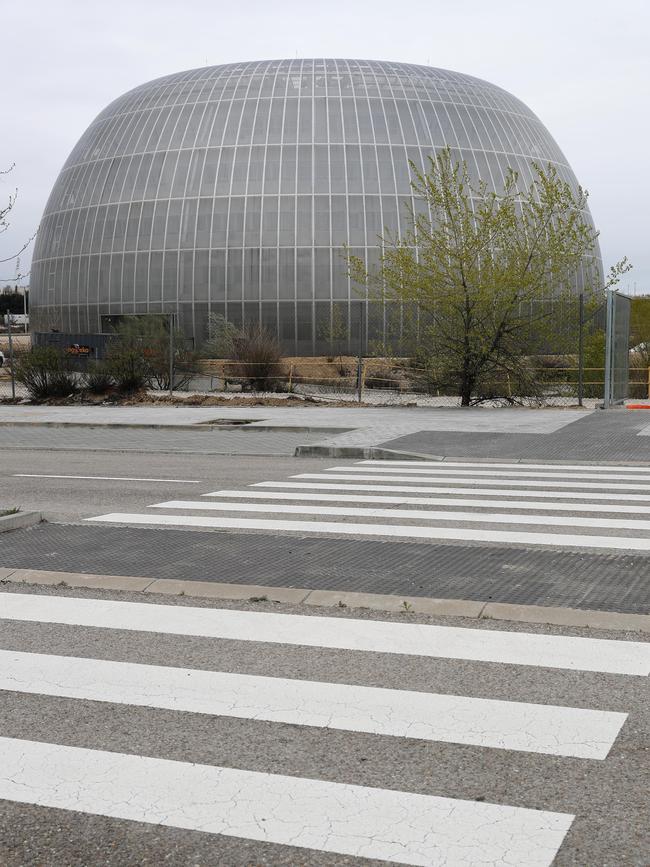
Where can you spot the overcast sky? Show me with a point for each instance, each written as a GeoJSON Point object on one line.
{"type": "Point", "coordinates": [581, 65]}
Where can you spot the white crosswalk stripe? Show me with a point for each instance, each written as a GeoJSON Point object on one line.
{"type": "Point", "coordinates": [530, 483]}
{"type": "Point", "coordinates": [590, 468]}
{"type": "Point", "coordinates": [345, 819]}
{"type": "Point", "coordinates": [592, 507]}
{"type": "Point", "coordinates": [456, 719]}
{"type": "Point", "coordinates": [291, 809]}
{"type": "Point", "coordinates": [446, 642]}
{"type": "Point", "coordinates": [415, 514]}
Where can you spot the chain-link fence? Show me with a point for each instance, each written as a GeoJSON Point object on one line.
{"type": "Point", "coordinates": [566, 366]}
{"type": "Point", "coordinates": [381, 381]}
{"type": "Point", "coordinates": [12, 346]}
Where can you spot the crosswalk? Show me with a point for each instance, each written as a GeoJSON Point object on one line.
{"type": "Point", "coordinates": [578, 506]}
{"type": "Point", "coordinates": [331, 811]}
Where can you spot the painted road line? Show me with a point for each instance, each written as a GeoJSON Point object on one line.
{"type": "Point", "coordinates": [484, 492]}
{"type": "Point", "coordinates": [107, 478]}
{"type": "Point", "coordinates": [397, 531]}
{"type": "Point", "coordinates": [388, 825]}
{"type": "Point", "coordinates": [530, 483]}
{"type": "Point", "coordinates": [408, 514]}
{"type": "Point", "coordinates": [509, 725]}
{"type": "Point", "coordinates": [444, 471]}
{"type": "Point", "coordinates": [521, 466]}
{"type": "Point", "coordinates": [342, 633]}
{"type": "Point", "coordinates": [608, 509]}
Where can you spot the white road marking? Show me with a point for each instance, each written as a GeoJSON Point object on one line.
{"type": "Point", "coordinates": [510, 725]}
{"type": "Point", "coordinates": [530, 483]}
{"type": "Point", "coordinates": [523, 466]}
{"type": "Point", "coordinates": [442, 470]}
{"type": "Point", "coordinates": [343, 633]}
{"type": "Point", "coordinates": [409, 514]}
{"type": "Point", "coordinates": [107, 478]}
{"type": "Point", "coordinates": [478, 492]}
{"type": "Point", "coordinates": [362, 822]}
{"type": "Point", "coordinates": [405, 531]}
{"type": "Point", "coordinates": [608, 509]}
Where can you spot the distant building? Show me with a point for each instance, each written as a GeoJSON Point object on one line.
{"type": "Point", "coordinates": [233, 188]}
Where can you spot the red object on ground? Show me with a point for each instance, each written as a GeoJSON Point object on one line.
{"type": "Point", "coordinates": [637, 406]}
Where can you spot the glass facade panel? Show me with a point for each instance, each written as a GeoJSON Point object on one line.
{"type": "Point", "coordinates": [234, 187]}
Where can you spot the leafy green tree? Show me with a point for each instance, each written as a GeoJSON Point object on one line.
{"type": "Point", "coordinates": [484, 272]}
{"type": "Point", "coordinates": [640, 324]}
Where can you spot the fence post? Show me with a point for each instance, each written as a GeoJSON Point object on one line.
{"type": "Point", "coordinates": [290, 375]}
{"type": "Point", "coordinates": [609, 340]}
{"type": "Point", "coordinates": [649, 383]}
{"type": "Point", "coordinates": [581, 347]}
{"type": "Point", "coordinates": [171, 354]}
{"type": "Point", "coordinates": [360, 359]}
{"type": "Point", "coordinates": [11, 357]}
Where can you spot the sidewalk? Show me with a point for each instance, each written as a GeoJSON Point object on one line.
{"type": "Point", "coordinates": [347, 428]}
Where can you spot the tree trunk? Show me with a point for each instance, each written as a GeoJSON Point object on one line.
{"type": "Point", "coordinates": [466, 388]}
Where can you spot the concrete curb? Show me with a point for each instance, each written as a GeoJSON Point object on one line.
{"type": "Point", "coordinates": [367, 452]}
{"type": "Point", "coordinates": [477, 610]}
{"type": "Point", "coordinates": [19, 521]}
{"type": "Point", "coordinates": [226, 424]}
{"type": "Point", "coordinates": [379, 453]}
{"type": "Point", "coordinates": [115, 425]}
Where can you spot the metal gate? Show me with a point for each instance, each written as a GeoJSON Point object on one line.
{"type": "Point", "coordinates": [617, 349]}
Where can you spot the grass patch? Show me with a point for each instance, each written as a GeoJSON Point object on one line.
{"type": "Point", "coordinates": [5, 512]}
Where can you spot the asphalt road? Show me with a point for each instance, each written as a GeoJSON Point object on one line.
{"type": "Point", "coordinates": [545, 535]}
{"type": "Point", "coordinates": [109, 488]}
{"type": "Point", "coordinates": [544, 770]}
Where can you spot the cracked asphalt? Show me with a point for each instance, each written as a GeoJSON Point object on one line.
{"type": "Point", "coordinates": [609, 797]}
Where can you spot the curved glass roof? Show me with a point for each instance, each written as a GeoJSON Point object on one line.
{"type": "Point", "coordinates": [232, 188]}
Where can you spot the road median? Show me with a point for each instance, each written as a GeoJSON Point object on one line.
{"type": "Point", "coordinates": [472, 609]}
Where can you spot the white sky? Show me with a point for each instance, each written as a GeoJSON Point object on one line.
{"type": "Point", "coordinates": [583, 66]}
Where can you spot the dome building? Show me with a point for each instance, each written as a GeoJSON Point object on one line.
{"type": "Point", "coordinates": [233, 188]}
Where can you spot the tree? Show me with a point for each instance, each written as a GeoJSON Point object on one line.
{"type": "Point", "coordinates": [640, 323]}
{"type": "Point", "coordinates": [5, 211]}
{"type": "Point", "coordinates": [139, 355]}
{"type": "Point", "coordinates": [12, 302]}
{"type": "Point", "coordinates": [334, 331]}
{"type": "Point", "coordinates": [483, 270]}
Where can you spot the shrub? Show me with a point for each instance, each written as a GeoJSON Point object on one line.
{"type": "Point", "coordinates": [45, 372]}
{"type": "Point", "coordinates": [139, 355]}
{"type": "Point", "coordinates": [97, 378]}
{"type": "Point", "coordinates": [127, 367]}
{"type": "Point", "coordinates": [259, 359]}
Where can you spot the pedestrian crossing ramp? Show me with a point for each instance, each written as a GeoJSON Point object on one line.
{"type": "Point", "coordinates": [344, 817]}
{"type": "Point", "coordinates": [558, 505]}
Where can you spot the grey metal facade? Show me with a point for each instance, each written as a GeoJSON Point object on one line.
{"type": "Point", "coordinates": [233, 188]}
